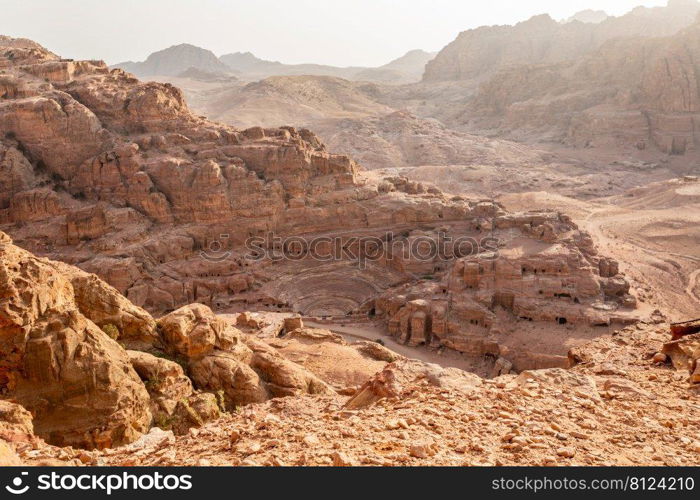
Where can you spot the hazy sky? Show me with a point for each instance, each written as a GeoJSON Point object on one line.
{"type": "Point", "coordinates": [343, 33]}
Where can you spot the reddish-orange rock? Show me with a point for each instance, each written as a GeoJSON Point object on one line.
{"type": "Point", "coordinates": [77, 382]}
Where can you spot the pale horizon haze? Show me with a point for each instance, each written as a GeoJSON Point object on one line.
{"type": "Point", "coordinates": [357, 33]}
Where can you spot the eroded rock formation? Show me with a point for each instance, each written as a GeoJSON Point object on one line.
{"type": "Point", "coordinates": [85, 390]}
{"type": "Point", "coordinates": [684, 353]}
{"type": "Point", "coordinates": [77, 382]}
{"type": "Point", "coordinates": [119, 178]}
{"type": "Point", "coordinates": [542, 40]}
{"type": "Point", "coordinates": [629, 92]}
{"type": "Point", "coordinates": [220, 358]}
{"type": "Point", "coordinates": [548, 273]}
{"type": "Point", "coordinates": [428, 414]}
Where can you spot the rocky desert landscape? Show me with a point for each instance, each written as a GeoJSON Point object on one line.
{"type": "Point", "coordinates": [483, 256]}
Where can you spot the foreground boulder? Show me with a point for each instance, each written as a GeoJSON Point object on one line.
{"type": "Point", "coordinates": [165, 381]}
{"type": "Point", "coordinates": [343, 365]}
{"type": "Point", "coordinates": [220, 357]}
{"type": "Point", "coordinates": [174, 404]}
{"type": "Point", "coordinates": [75, 380]}
{"type": "Point", "coordinates": [194, 411]}
{"type": "Point", "coordinates": [240, 384]}
{"type": "Point", "coordinates": [283, 377]}
{"type": "Point", "coordinates": [684, 354]}
{"type": "Point", "coordinates": [194, 331]}
{"type": "Point", "coordinates": [396, 380]}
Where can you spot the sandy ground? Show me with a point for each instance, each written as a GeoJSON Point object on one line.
{"type": "Point", "coordinates": [444, 357]}
{"type": "Point", "coordinates": [619, 409]}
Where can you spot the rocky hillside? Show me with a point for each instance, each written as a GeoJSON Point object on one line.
{"type": "Point", "coordinates": [621, 402]}
{"type": "Point", "coordinates": [480, 52]}
{"type": "Point", "coordinates": [175, 60]}
{"type": "Point", "coordinates": [616, 406]}
{"type": "Point", "coordinates": [88, 378]}
{"type": "Point", "coordinates": [96, 372]}
{"type": "Point", "coordinates": [133, 366]}
{"type": "Point", "coordinates": [117, 177]}
{"type": "Point", "coordinates": [405, 69]}
{"type": "Point", "coordinates": [400, 139]}
{"type": "Point", "coordinates": [298, 100]}
{"type": "Point", "coordinates": [641, 92]}
{"type": "Point", "coordinates": [370, 123]}
{"type": "Point", "coordinates": [351, 118]}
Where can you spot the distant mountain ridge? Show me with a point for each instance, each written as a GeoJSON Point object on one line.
{"type": "Point", "coordinates": [590, 81]}
{"type": "Point", "coordinates": [176, 59]}
{"type": "Point", "coordinates": [483, 51]}
{"type": "Point", "coordinates": [257, 68]}
{"type": "Point", "coordinates": [635, 91]}
{"type": "Point", "coordinates": [182, 58]}
{"type": "Point", "coordinates": [588, 16]}
{"type": "Point", "coordinates": [412, 65]}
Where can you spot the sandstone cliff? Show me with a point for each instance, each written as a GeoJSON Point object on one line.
{"type": "Point", "coordinates": [639, 92]}
{"type": "Point", "coordinates": [75, 379]}
{"type": "Point", "coordinates": [481, 52]}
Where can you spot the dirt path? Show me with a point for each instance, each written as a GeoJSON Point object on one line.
{"type": "Point", "coordinates": [446, 358]}
{"type": "Point", "coordinates": [624, 248]}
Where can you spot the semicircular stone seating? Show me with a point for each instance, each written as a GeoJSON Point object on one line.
{"type": "Point", "coordinates": [332, 289]}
